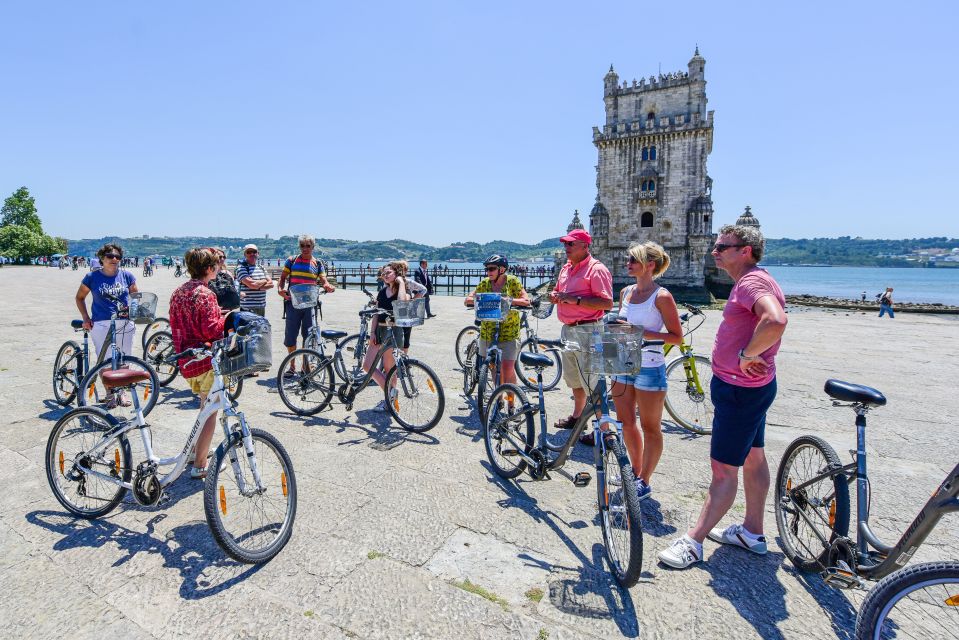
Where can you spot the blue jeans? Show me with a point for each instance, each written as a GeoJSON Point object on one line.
{"type": "Point", "coordinates": [885, 308]}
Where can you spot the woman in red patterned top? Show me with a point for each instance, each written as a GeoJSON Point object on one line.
{"type": "Point", "coordinates": [195, 318]}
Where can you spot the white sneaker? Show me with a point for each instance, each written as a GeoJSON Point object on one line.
{"type": "Point", "coordinates": [682, 553]}
{"type": "Point", "coordinates": [738, 536]}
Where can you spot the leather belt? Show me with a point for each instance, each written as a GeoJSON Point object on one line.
{"type": "Point", "coordinates": [579, 322]}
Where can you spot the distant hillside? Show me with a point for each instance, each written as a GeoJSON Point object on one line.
{"type": "Point", "coordinates": [863, 252]}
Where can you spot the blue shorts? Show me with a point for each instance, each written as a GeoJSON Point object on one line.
{"type": "Point", "coordinates": [648, 379]}
{"type": "Point", "coordinates": [739, 420]}
{"type": "Point", "coordinates": [297, 321]}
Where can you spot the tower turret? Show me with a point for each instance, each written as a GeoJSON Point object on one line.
{"type": "Point", "coordinates": [610, 82]}
{"type": "Point", "coordinates": [575, 224]}
{"type": "Point", "coordinates": [697, 67]}
{"type": "Point", "coordinates": [747, 219]}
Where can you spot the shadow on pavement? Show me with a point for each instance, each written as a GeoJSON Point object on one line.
{"type": "Point", "coordinates": [55, 410]}
{"type": "Point", "coordinates": [377, 429]}
{"type": "Point", "coordinates": [188, 548]}
{"type": "Point", "coordinates": [841, 612]}
{"type": "Point", "coordinates": [671, 428]}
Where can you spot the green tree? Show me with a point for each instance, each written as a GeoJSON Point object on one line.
{"type": "Point", "coordinates": [21, 209]}
{"type": "Point", "coordinates": [19, 243]}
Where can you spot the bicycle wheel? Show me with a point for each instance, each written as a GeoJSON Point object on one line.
{"type": "Point", "coordinates": [463, 339]}
{"type": "Point", "coordinates": [309, 389]}
{"type": "Point", "coordinates": [419, 401]}
{"type": "Point", "coordinates": [551, 375]}
{"type": "Point", "coordinates": [250, 523]}
{"type": "Point", "coordinates": [80, 492]}
{"type": "Point", "coordinates": [470, 372]}
{"type": "Point", "coordinates": [159, 324]}
{"type": "Point", "coordinates": [824, 503]}
{"type": "Point", "coordinates": [156, 352]}
{"type": "Point", "coordinates": [347, 361]}
{"type": "Point", "coordinates": [508, 430]}
{"type": "Point", "coordinates": [234, 386]}
{"type": "Point", "coordinates": [486, 383]}
{"type": "Point", "coordinates": [916, 602]}
{"type": "Point", "coordinates": [65, 372]}
{"type": "Point", "coordinates": [620, 515]}
{"type": "Point", "coordinates": [689, 405]}
{"type": "Point", "coordinates": [116, 402]}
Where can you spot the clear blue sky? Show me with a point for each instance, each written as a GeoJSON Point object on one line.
{"type": "Point", "coordinates": [452, 121]}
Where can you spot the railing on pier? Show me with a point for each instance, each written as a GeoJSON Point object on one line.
{"type": "Point", "coordinates": [445, 281]}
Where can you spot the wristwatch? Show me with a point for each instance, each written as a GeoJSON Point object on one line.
{"type": "Point", "coordinates": [743, 356]}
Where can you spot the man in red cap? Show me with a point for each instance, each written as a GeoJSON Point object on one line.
{"type": "Point", "coordinates": [583, 293]}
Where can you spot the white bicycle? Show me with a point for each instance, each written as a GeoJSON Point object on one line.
{"type": "Point", "coordinates": [250, 491]}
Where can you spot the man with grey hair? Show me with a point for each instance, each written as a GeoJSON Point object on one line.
{"type": "Point", "coordinates": [301, 269]}
{"type": "Point", "coordinates": [742, 390]}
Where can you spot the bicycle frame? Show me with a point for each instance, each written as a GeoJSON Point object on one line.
{"type": "Point", "coordinates": [891, 558]}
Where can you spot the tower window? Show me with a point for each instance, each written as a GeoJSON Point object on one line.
{"type": "Point", "coordinates": [646, 220]}
{"type": "Point", "coordinates": [651, 115]}
{"type": "Point", "coordinates": [652, 153]}
{"type": "Point", "coordinates": [645, 153]}
{"type": "Point", "coordinates": [652, 185]}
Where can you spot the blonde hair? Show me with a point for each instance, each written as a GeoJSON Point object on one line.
{"type": "Point", "coordinates": [644, 252]}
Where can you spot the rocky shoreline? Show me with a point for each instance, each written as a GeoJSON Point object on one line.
{"type": "Point", "coordinates": [807, 300]}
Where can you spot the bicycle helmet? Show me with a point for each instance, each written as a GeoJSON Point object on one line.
{"type": "Point", "coordinates": [496, 260]}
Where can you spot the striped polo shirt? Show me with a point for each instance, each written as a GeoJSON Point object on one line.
{"type": "Point", "coordinates": [252, 297]}
{"type": "Point", "coordinates": [300, 271]}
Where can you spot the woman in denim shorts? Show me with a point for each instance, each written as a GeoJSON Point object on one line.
{"type": "Point", "coordinates": [646, 304]}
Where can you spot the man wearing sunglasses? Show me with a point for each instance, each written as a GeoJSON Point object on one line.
{"type": "Point", "coordinates": [583, 293]}
{"type": "Point", "coordinates": [742, 390]}
{"type": "Point", "coordinates": [301, 269]}
{"type": "Point", "coordinates": [253, 280]}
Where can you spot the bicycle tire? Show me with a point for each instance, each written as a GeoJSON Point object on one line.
{"type": "Point", "coordinates": [487, 380]}
{"type": "Point", "coordinates": [348, 367]}
{"type": "Point", "coordinates": [878, 619]}
{"type": "Point", "coordinates": [507, 421]}
{"type": "Point", "coordinates": [470, 372]}
{"type": "Point", "coordinates": [158, 324]}
{"type": "Point", "coordinates": [620, 514]}
{"type": "Point", "coordinates": [463, 338]}
{"type": "Point", "coordinates": [234, 386]}
{"type": "Point", "coordinates": [690, 409]}
{"type": "Point", "coordinates": [814, 455]}
{"type": "Point", "coordinates": [420, 396]}
{"type": "Point", "coordinates": [313, 390]}
{"type": "Point", "coordinates": [93, 393]}
{"type": "Point", "coordinates": [156, 351]}
{"type": "Point", "coordinates": [528, 376]}
{"type": "Point", "coordinates": [95, 422]}
{"type": "Point", "coordinates": [69, 352]}
{"type": "Point", "coordinates": [221, 503]}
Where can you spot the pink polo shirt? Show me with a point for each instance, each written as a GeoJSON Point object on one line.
{"type": "Point", "coordinates": [588, 279]}
{"type": "Point", "coordinates": [739, 323]}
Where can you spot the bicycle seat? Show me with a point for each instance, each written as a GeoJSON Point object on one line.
{"type": "Point", "coordinates": [535, 360]}
{"type": "Point", "coordinates": [332, 334]}
{"type": "Point", "coordinates": [123, 378]}
{"type": "Point", "coordinates": [477, 323]}
{"type": "Point", "coordinates": [849, 392]}
{"type": "Point", "coordinates": [76, 324]}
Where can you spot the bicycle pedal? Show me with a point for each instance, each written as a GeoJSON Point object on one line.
{"type": "Point", "coordinates": [841, 578]}
{"type": "Point", "coordinates": [509, 453]}
{"type": "Point", "coordinates": [582, 479]}
{"type": "Point", "coordinates": [164, 498]}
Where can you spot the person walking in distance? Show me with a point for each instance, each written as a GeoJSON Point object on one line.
{"type": "Point", "coordinates": [742, 390]}
{"type": "Point", "coordinates": [254, 281]}
{"type": "Point", "coordinates": [885, 303]}
{"type": "Point", "coordinates": [583, 293]}
{"type": "Point", "coordinates": [422, 275]}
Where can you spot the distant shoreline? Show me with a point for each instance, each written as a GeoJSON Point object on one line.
{"type": "Point", "coordinates": [807, 300]}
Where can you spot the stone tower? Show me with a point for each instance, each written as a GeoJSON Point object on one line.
{"type": "Point", "coordinates": [651, 180]}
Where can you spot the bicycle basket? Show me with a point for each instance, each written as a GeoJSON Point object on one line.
{"type": "Point", "coordinates": [253, 351]}
{"type": "Point", "coordinates": [409, 313]}
{"type": "Point", "coordinates": [143, 307]}
{"type": "Point", "coordinates": [491, 307]}
{"type": "Point", "coordinates": [304, 296]}
{"type": "Point", "coordinates": [541, 307]}
{"type": "Point", "coordinates": [610, 350]}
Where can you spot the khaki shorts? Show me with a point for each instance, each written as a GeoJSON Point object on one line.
{"type": "Point", "coordinates": [510, 348]}
{"type": "Point", "coordinates": [202, 383]}
{"type": "Point", "coordinates": [573, 365]}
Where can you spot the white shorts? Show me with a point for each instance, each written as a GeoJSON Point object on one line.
{"type": "Point", "coordinates": [125, 332]}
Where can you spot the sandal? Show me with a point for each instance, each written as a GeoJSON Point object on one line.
{"type": "Point", "coordinates": [566, 423]}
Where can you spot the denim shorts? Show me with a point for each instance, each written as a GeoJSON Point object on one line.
{"type": "Point", "coordinates": [648, 379]}
{"type": "Point", "coordinates": [739, 420]}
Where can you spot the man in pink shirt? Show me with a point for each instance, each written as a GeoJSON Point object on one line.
{"type": "Point", "coordinates": [742, 390]}
{"type": "Point", "coordinates": [583, 293]}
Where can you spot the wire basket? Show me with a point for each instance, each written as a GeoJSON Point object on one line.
{"type": "Point", "coordinates": [409, 313]}
{"type": "Point", "coordinates": [541, 307]}
{"type": "Point", "coordinates": [608, 350]}
{"type": "Point", "coordinates": [491, 307]}
{"type": "Point", "coordinates": [143, 307]}
{"type": "Point", "coordinates": [304, 296]}
{"type": "Point", "coordinates": [252, 353]}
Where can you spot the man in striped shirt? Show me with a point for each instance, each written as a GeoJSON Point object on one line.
{"type": "Point", "coordinates": [253, 282]}
{"type": "Point", "coordinates": [301, 269]}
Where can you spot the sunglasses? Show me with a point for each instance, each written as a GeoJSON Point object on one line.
{"type": "Point", "coordinates": [569, 243]}
{"type": "Point", "coordinates": [631, 260]}
{"type": "Point", "coordinates": [252, 253]}
{"type": "Point", "coordinates": [112, 256]}
{"type": "Point", "coordinates": [488, 269]}
{"type": "Point", "coordinates": [719, 247]}
{"type": "Point", "coordinates": [306, 246]}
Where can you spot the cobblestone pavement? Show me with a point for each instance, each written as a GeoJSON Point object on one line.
{"type": "Point", "coordinates": [390, 525]}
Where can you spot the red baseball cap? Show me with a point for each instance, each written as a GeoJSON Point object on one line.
{"type": "Point", "coordinates": [578, 235]}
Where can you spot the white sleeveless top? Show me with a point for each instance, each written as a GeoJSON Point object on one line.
{"type": "Point", "coordinates": [646, 315]}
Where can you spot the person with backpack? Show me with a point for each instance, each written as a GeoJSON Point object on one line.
{"type": "Point", "coordinates": [885, 303]}
{"type": "Point", "coordinates": [301, 269]}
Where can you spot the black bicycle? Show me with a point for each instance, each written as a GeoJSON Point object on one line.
{"type": "Point", "coordinates": [812, 513]}
{"type": "Point", "coordinates": [511, 443]}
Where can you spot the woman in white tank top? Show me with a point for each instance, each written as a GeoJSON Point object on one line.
{"type": "Point", "coordinates": [652, 307]}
